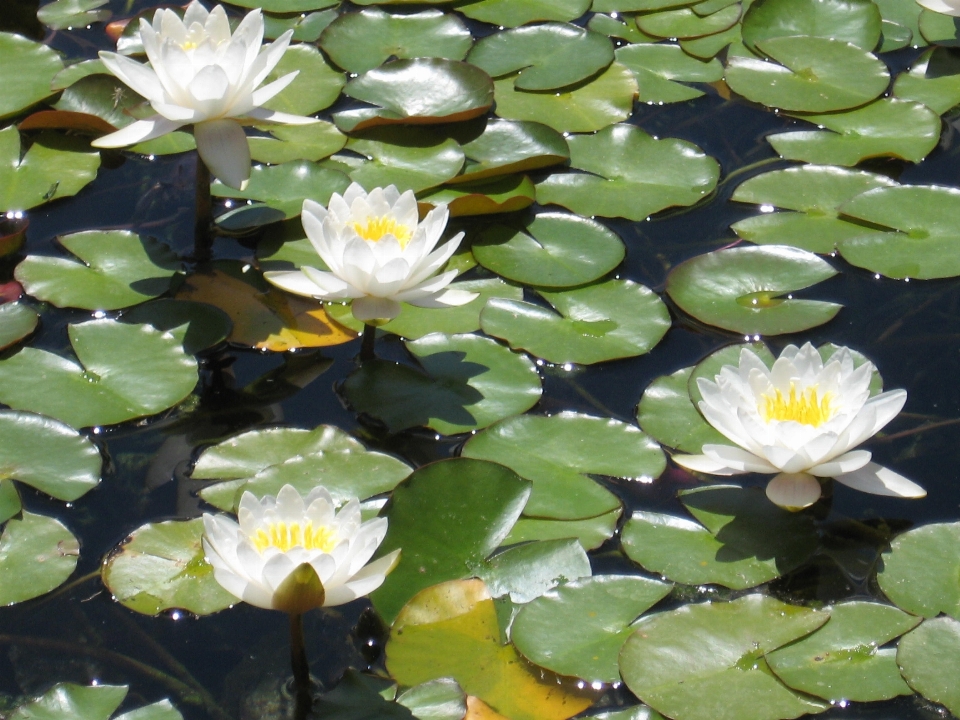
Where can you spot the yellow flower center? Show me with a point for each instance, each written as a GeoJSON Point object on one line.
{"type": "Point", "coordinates": [286, 536]}
{"type": "Point", "coordinates": [188, 46]}
{"type": "Point", "coordinates": [376, 228]}
{"type": "Point", "coordinates": [805, 407]}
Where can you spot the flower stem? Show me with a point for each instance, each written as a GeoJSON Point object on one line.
{"type": "Point", "coordinates": [203, 226]}
{"type": "Point", "coordinates": [301, 668]}
{"type": "Point", "coordinates": [367, 342]}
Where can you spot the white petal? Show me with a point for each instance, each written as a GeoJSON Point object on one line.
{"type": "Point", "coordinates": [704, 464]}
{"type": "Point", "coordinates": [848, 462]}
{"type": "Point", "coordinates": [139, 77]}
{"type": "Point", "coordinates": [941, 6]}
{"type": "Point", "coordinates": [739, 459]}
{"type": "Point", "coordinates": [445, 299]}
{"type": "Point", "coordinates": [366, 309]}
{"type": "Point", "coordinates": [140, 131]}
{"type": "Point", "coordinates": [331, 287]}
{"type": "Point", "coordinates": [878, 480]}
{"type": "Point", "coordinates": [263, 115]}
{"type": "Point", "coordinates": [293, 281]}
{"type": "Point", "coordinates": [793, 491]}
{"type": "Point", "coordinates": [223, 146]}
{"type": "Point", "coordinates": [268, 92]}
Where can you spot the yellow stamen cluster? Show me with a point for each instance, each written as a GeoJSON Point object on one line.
{"type": "Point", "coordinates": [376, 228]}
{"type": "Point", "coordinates": [805, 407]}
{"type": "Point", "coordinates": [286, 536]}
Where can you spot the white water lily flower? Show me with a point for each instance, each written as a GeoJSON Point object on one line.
{"type": "Point", "coordinates": [377, 253]}
{"type": "Point", "coordinates": [201, 75]}
{"type": "Point", "coordinates": [945, 7]}
{"type": "Point", "coordinates": [293, 554]}
{"type": "Point", "coordinates": [800, 419]}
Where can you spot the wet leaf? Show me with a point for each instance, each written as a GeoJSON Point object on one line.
{"type": "Point", "coordinates": [206, 325]}
{"type": "Point", "coordinates": [16, 322]}
{"type": "Point", "coordinates": [929, 658]}
{"type": "Point", "coordinates": [284, 6]}
{"type": "Point", "coordinates": [668, 415]}
{"type": "Point", "coordinates": [286, 186]}
{"type": "Point", "coordinates": [590, 532]}
{"type": "Point", "coordinates": [10, 504]}
{"type": "Point", "coordinates": [316, 87]}
{"type": "Point", "coordinates": [307, 27]}
{"type": "Point", "coordinates": [487, 197]}
{"type": "Point", "coordinates": [439, 699]}
{"type": "Point", "coordinates": [67, 701]}
{"type": "Point", "coordinates": [37, 554]}
{"type": "Point", "coordinates": [616, 28]}
{"type": "Point", "coordinates": [63, 14]}
{"type": "Point", "coordinates": [524, 572]}
{"type": "Point", "coordinates": [407, 157]}
{"type": "Point", "coordinates": [709, 46]}
{"type": "Point", "coordinates": [513, 13]}
{"type": "Point", "coordinates": [852, 21]}
{"type": "Point", "coordinates": [506, 147]}
{"type": "Point", "coordinates": [934, 80]}
{"type": "Point", "coordinates": [28, 69]}
{"type": "Point", "coordinates": [297, 142]}
{"type": "Point", "coordinates": [657, 66]}
{"type": "Point", "coordinates": [919, 569]}
{"type": "Point", "coordinates": [683, 23]}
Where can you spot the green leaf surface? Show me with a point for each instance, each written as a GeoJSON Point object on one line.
{"type": "Point", "coordinates": [741, 289]}
{"type": "Point", "coordinates": [409, 158]}
{"type": "Point", "coordinates": [578, 628]}
{"type": "Point", "coordinates": [297, 142]}
{"type": "Point", "coordinates": [316, 87]}
{"type": "Point", "coordinates": [307, 27]}
{"type": "Point", "coordinates": [63, 14]}
{"type": "Point", "coordinates": [604, 321]}
{"type": "Point", "coordinates": [525, 572]}
{"type": "Point", "coordinates": [441, 699]}
{"type": "Point", "coordinates": [904, 13]}
{"type": "Point", "coordinates": [28, 69]}
{"type": "Point", "coordinates": [934, 80]}
{"type": "Point", "coordinates": [552, 250]}
{"type": "Point", "coordinates": [709, 46]}
{"type": "Point", "coordinates": [16, 322]}
{"type": "Point", "coordinates": [467, 382]}
{"type": "Point", "coordinates": [668, 415]}
{"type": "Point", "coordinates": [920, 569]}
{"type": "Point", "coordinates": [284, 6]}
{"type": "Point", "coordinates": [487, 197]}
{"type": "Point", "coordinates": [37, 554]}
{"type": "Point", "coordinates": [361, 41]}
{"type": "Point", "coordinates": [163, 710]}
{"type": "Point", "coordinates": [852, 21]}
{"type": "Point", "coordinates": [513, 13]}
{"type": "Point", "coordinates": [548, 56]}
{"type": "Point", "coordinates": [68, 701]}
{"type": "Point", "coordinates": [631, 6]}
{"type": "Point", "coordinates": [684, 23]}
{"type": "Point", "coordinates": [125, 372]}
{"type": "Point", "coordinates": [665, 665]}
{"type": "Point", "coordinates": [628, 173]}
{"type": "Point", "coordinates": [939, 28]}
{"type": "Point", "coordinates": [615, 28]}
{"type": "Point", "coordinates": [161, 566]}
{"type": "Point", "coordinates": [929, 658]}
{"type": "Point", "coordinates": [590, 532]}
{"type": "Point", "coordinates": [286, 186]}
{"type": "Point", "coordinates": [77, 71]}
{"type": "Point", "coordinates": [657, 67]}
{"type": "Point", "coordinates": [206, 325]}
{"type": "Point", "coordinates": [814, 75]}
{"type": "Point", "coordinates": [506, 147]}
{"type": "Point", "coordinates": [447, 517]}
{"type": "Point", "coordinates": [10, 504]}
{"type": "Point", "coordinates": [116, 269]}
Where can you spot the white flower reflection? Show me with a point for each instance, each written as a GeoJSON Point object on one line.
{"type": "Point", "coordinates": [801, 419]}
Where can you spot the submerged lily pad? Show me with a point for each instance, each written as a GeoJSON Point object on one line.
{"type": "Point", "coordinates": [579, 628]}
{"type": "Point", "coordinates": [741, 289]}
{"type": "Point", "coordinates": [816, 193]}
{"type": "Point", "coordinates": [16, 322]}
{"type": "Point", "coordinates": [919, 570]}
{"type": "Point", "coordinates": [28, 69]}
{"type": "Point", "coordinates": [161, 566]}
{"type": "Point", "coordinates": [604, 321]}
{"type": "Point", "coordinates": [557, 250]}
{"type": "Point", "coordinates": [853, 21]}
{"type": "Point", "coordinates": [929, 659]}
{"type": "Point", "coordinates": [286, 186]}
{"type": "Point", "coordinates": [665, 665]}
{"type": "Point", "coordinates": [125, 372]}
{"type": "Point", "coordinates": [37, 554]}
{"type": "Point", "coordinates": [559, 453]}
{"type": "Point", "coordinates": [630, 174]}
{"type": "Point", "coordinates": [513, 13]}
{"type": "Point", "coordinates": [658, 66]}
{"type": "Point", "coordinates": [467, 382]}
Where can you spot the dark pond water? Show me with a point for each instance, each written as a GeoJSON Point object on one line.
{"type": "Point", "coordinates": [910, 330]}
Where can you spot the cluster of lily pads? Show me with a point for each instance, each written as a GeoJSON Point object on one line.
{"type": "Point", "coordinates": [519, 117]}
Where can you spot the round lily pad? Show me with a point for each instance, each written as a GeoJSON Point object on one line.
{"type": "Point", "coordinates": [587, 106]}
{"type": "Point", "coordinates": [548, 56]}
{"type": "Point", "coordinates": [615, 27]}
{"type": "Point", "coordinates": [560, 452]}
{"type": "Point", "coordinates": [37, 554]}
{"type": "Point", "coordinates": [741, 289]}
{"type": "Point", "coordinates": [525, 572]}
{"type": "Point", "coordinates": [513, 13]}
{"type": "Point", "coordinates": [816, 193]}
{"type": "Point", "coordinates": [506, 146]}
{"type": "Point", "coordinates": [920, 569]}
{"type": "Point", "coordinates": [125, 372]}
{"type": "Point", "coordinates": [467, 382]}
{"type": "Point", "coordinates": [117, 268]}
{"type": "Point", "coordinates": [853, 21]}
{"type": "Point", "coordinates": [664, 663]}
{"type": "Point", "coordinates": [815, 75]}
{"type": "Point", "coordinates": [297, 142]}
{"type": "Point", "coordinates": [557, 250]}
{"type": "Point", "coordinates": [934, 80]}
{"type": "Point", "coordinates": [591, 533]}
{"type": "Point", "coordinates": [63, 14]}
{"type": "Point", "coordinates": [924, 236]}
{"type": "Point", "coordinates": [843, 659]}
{"type": "Point", "coordinates": [630, 174]}
{"type": "Point", "coordinates": [604, 321]}
{"type": "Point", "coordinates": [10, 503]}
{"type": "Point", "coordinates": [161, 566]}
{"type": "Point", "coordinates": [929, 659]}
{"type": "Point", "coordinates": [28, 69]}
{"type": "Point", "coordinates": [487, 197]}
{"type": "Point", "coordinates": [68, 701]}
{"type": "Point", "coordinates": [685, 23]}
{"type": "Point", "coordinates": [307, 26]}
{"type": "Point", "coordinates": [286, 186]}
{"type": "Point", "coordinates": [206, 325]}
{"type": "Point", "coordinates": [668, 415]}
{"type": "Point", "coordinates": [363, 40]}
{"type": "Point", "coordinates": [578, 628]}
{"type": "Point", "coordinates": [709, 46]}
{"type": "Point", "coordinates": [16, 322]}
{"type": "Point", "coordinates": [284, 6]}
{"type": "Point", "coordinates": [657, 67]}
{"type": "Point", "coordinates": [441, 699]}
{"type": "Point", "coordinates": [407, 157]}
{"type": "Point", "coordinates": [316, 87]}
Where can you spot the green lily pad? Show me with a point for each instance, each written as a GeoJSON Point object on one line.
{"type": "Point", "coordinates": [929, 658]}
{"type": "Point", "coordinates": [37, 555]}
{"type": "Point", "coordinates": [853, 21]}
{"type": "Point", "coordinates": [637, 712]}
{"type": "Point", "coordinates": [924, 235]}
{"type": "Point", "coordinates": [161, 566]}
{"type": "Point", "coordinates": [616, 28]}
{"type": "Point", "coordinates": [664, 663]}
{"type": "Point", "coordinates": [447, 517]}
{"type": "Point", "coordinates": [683, 23]}
{"type": "Point", "coordinates": [297, 142]}
{"type": "Point", "coordinates": [206, 325]}
{"type": "Point", "coordinates": [316, 87]}
{"type": "Point", "coordinates": [885, 128]}
{"type": "Point", "coordinates": [740, 289]}
{"type": "Point", "coordinates": [939, 28]}
{"type": "Point", "coordinates": [658, 66]}
{"type": "Point", "coordinates": [843, 660]}
{"type": "Point", "coordinates": [604, 321]}
{"type": "Point", "coordinates": [920, 569]}
{"type": "Point", "coordinates": [557, 250]}
{"type": "Point", "coordinates": [116, 269]}
{"type": "Point", "coordinates": [408, 157]}
{"type": "Point", "coordinates": [307, 27]}
{"type": "Point", "coordinates": [47, 455]}
{"type": "Point", "coordinates": [906, 15]}
{"type": "Point", "coordinates": [587, 106]}
{"type": "Point", "coordinates": [525, 572]}
{"type": "Point", "coordinates": [513, 13]}
{"type": "Point", "coordinates": [487, 197]}
{"type": "Point", "coordinates": [361, 41]}
{"type": "Point", "coordinates": [286, 186]}
{"type": "Point", "coordinates": [263, 461]}
{"type": "Point", "coordinates": [284, 6]}
{"type": "Point", "coordinates": [630, 174]}
{"type": "Point", "coordinates": [710, 46]}
{"type": "Point", "coordinates": [467, 382]}
{"type": "Point", "coordinates": [934, 80]}
{"type": "Point", "coordinates": [815, 75]}
{"type": "Point", "coordinates": [506, 147]}
{"type": "Point", "coordinates": [548, 56]}
{"type": "Point", "coordinates": [67, 701]}
{"type": "Point", "coordinates": [579, 628]}
{"type": "Point", "coordinates": [669, 416]}
{"type": "Point", "coordinates": [631, 6]}
{"type": "Point", "coordinates": [816, 193]}
{"type": "Point", "coordinates": [16, 322]}
{"type": "Point", "coordinates": [126, 372]}
{"type": "Point", "coordinates": [63, 14]}
{"type": "Point", "coordinates": [54, 167]}
{"type": "Point", "coordinates": [73, 73]}
{"type": "Point", "coordinates": [100, 95]}
{"type": "Point", "coordinates": [591, 533]}
{"type": "Point", "coordinates": [28, 69]}
{"type": "Point", "coordinates": [560, 452]}
{"type": "Point", "coordinates": [418, 91]}
{"type": "Point", "coordinates": [10, 504]}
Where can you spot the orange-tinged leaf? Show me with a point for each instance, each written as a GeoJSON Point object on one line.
{"type": "Point", "coordinates": [477, 709]}
{"type": "Point", "coordinates": [263, 316]}
{"type": "Point", "coordinates": [451, 630]}
{"type": "Point", "coordinates": [66, 120]}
